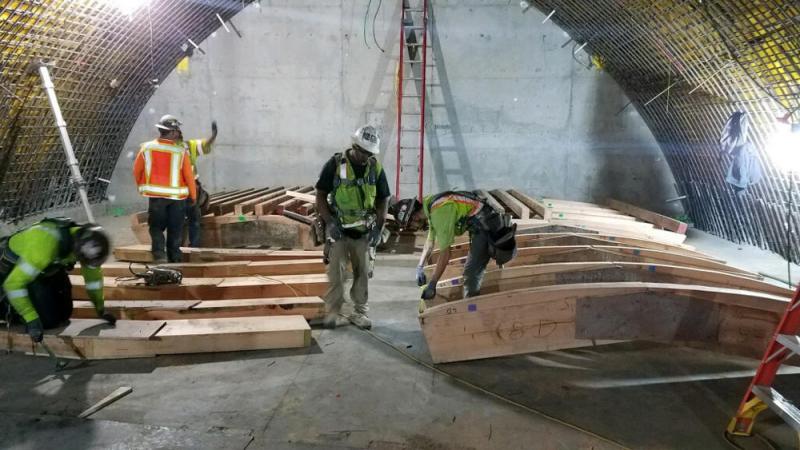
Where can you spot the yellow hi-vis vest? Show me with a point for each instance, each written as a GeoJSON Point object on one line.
{"type": "Point", "coordinates": [354, 198]}
{"type": "Point", "coordinates": [162, 171]}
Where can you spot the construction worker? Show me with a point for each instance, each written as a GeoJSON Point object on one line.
{"type": "Point", "coordinates": [351, 199]}
{"type": "Point", "coordinates": [450, 214]}
{"type": "Point", "coordinates": [163, 172]}
{"type": "Point", "coordinates": [34, 265]}
{"type": "Point", "coordinates": [196, 148]}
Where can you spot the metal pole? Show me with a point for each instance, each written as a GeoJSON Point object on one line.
{"type": "Point", "coordinates": [77, 179]}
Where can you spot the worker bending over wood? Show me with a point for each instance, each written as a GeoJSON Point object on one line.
{"type": "Point", "coordinates": [196, 148]}
{"type": "Point", "coordinates": [450, 214]}
{"type": "Point", "coordinates": [34, 266]}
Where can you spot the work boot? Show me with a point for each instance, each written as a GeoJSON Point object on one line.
{"type": "Point", "coordinates": [361, 321]}
{"type": "Point", "coordinates": [330, 320]}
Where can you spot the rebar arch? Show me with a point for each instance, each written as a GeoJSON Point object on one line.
{"type": "Point", "coordinates": [706, 60]}
{"type": "Point", "coordinates": [107, 58]}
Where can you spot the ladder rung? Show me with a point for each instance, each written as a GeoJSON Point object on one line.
{"type": "Point", "coordinates": [779, 404]}
{"type": "Point", "coordinates": [414, 27]}
{"type": "Point", "coordinates": [408, 130]}
{"type": "Point", "coordinates": [790, 342]}
{"type": "Point", "coordinates": [411, 96]}
{"type": "Point", "coordinates": [409, 148]}
{"type": "Point", "coordinates": [412, 114]}
{"type": "Point", "coordinates": [413, 9]}
{"type": "Point", "coordinates": [413, 79]}
{"type": "Point", "coordinates": [416, 45]}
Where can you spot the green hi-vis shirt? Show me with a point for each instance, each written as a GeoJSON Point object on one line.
{"type": "Point", "coordinates": [447, 217]}
{"type": "Point", "coordinates": [197, 148]}
{"type": "Point", "coordinates": [37, 249]}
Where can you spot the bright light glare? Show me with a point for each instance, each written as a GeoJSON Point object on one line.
{"type": "Point", "coordinates": [127, 7]}
{"type": "Point", "coordinates": [783, 148]}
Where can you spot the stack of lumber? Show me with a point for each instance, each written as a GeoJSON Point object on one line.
{"type": "Point", "coordinates": [276, 217]}
{"type": "Point", "coordinates": [588, 275]}
{"type": "Point", "coordinates": [228, 300]}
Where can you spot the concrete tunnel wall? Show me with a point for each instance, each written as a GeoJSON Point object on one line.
{"type": "Point", "coordinates": [519, 110]}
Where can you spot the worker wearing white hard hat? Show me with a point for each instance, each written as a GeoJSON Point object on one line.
{"type": "Point", "coordinates": [352, 199]}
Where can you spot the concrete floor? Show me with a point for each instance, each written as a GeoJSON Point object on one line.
{"type": "Point", "coordinates": [351, 389]}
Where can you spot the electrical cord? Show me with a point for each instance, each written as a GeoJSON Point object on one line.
{"type": "Point", "coordinates": [493, 394]}
{"type": "Point", "coordinates": [295, 291]}
{"type": "Point", "coordinates": [364, 28]}
{"type": "Point", "coordinates": [380, 2]}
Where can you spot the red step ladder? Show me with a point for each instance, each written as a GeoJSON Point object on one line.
{"type": "Point", "coordinates": [761, 395]}
{"type": "Point", "coordinates": [412, 76]}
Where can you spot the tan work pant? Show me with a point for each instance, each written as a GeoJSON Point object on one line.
{"type": "Point", "coordinates": [355, 251]}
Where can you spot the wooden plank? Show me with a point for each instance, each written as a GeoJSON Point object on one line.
{"type": "Point", "coordinates": [269, 206]}
{"type": "Point", "coordinates": [310, 308]}
{"type": "Point", "coordinates": [589, 253]}
{"type": "Point", "coordinates": [232, 254]}
{"type": "Point", "coordinates": [141, 253]}
{"type": "Point", "coordinates": [461, 248]}
{"type": "Point", "coordinates": [209, 288]}
{"type": "Point", "coordinates": [661, 221]}
{"type": "Point", "coordinates": [613, 229]}
{"type": "Point", "coordinates": [221, 269]}
{"type": "Point", "coordinates": [533, 204]}
{"type": "Point", "coordinates": [250, 205]}
{"type": "Point", "coordinates": [230, 205]}
{"type": "Point", "coordinates": [519, 277]}
{"type": "Point", "coordinates": [482, 193]}
{"type": "Point", "coordinates": [545, 319]}
{"type": "Point", "coordinates": [515, 206]}
{"type": "Point", "coordinates": [226, 206]}
{"type": "Point", "coordinates": [227, 196]}
{"type": "Point", "coordinates": [307, 198]}
{"type": "Point", "coordinates": [107, 400]}
{"type": "Point", "coordinates": [172, 337]}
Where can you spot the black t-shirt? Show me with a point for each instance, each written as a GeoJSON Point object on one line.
{"type": "Point", "coordinates": [325, 184]}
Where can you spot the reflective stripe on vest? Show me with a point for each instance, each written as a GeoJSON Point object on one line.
{"type": "Point", "coordinates": [476, 204]}
{"type": "Point", "coordinates": [160, 180]}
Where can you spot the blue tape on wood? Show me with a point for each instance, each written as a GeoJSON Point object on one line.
{"type": "Point", "coordinates": [472, 307]}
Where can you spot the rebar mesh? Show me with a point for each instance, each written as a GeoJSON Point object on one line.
{"type": "Point", "coordinates": [105, 66]}
{"type": "Point", "coordinates": [718, 57]}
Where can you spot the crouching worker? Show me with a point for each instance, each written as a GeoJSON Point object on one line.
{"type": "Point", "coordinates": [34, 266]}
{"type": "Point", "coordinates": [450, 214]}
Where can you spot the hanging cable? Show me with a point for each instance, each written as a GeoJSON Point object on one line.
{"type": "Point", "coordinates": [364, 28]}
{"type": "Point", "coordinates": [380, 2]}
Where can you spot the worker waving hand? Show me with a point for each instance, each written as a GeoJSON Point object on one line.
{"type": "Point", "coordinates": [34, 265]}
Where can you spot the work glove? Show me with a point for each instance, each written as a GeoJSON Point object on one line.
{"type": "Point", "coordinates": [213, 127]}
{"type": "Point", "coordinates": [36, 330]}
{"type": "Point", "coordinates": [374, 237]}
{"type": "Point", "coordinates": [430, 291]}
{"type": "Point", "coordinates": [108, 317]}
{"type": "Point", "coordinates": [333, 230]}
{"type": "Point", "coordinates": [421, 278]}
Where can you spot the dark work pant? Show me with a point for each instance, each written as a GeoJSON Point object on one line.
{"type": "Point", "coordinates": [193, 223]}
{"type": "Point", "coordinates": [51, 297]}
{"type": "Point", "coordinates": [166, 214]}
{"type": "Point", "coordinates": [477, 260]}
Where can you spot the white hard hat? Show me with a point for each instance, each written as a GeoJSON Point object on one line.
{"type": "Point", "coordinates": [367, 138]}
{"type": "Point", "coordinates": [169, 122]}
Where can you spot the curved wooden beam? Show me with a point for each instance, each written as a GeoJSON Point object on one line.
{"type": "Point", "coordinates": [461, 248]}
{"type": "Point", "coordinates": [585, 253]}
{"type": "Point", "coordinates": [578, 315]}
{"type": "Point", "coordinates": [520, 277]}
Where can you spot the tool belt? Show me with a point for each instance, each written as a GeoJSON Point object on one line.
{"type": "Point", "coordinates": [496, 224]}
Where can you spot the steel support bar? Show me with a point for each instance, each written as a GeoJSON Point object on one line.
{"type": "Point", "coordinates": [72, 162]}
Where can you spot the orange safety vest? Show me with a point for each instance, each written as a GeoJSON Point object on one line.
{"type": "Point", "coordinates": [162, 170]}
